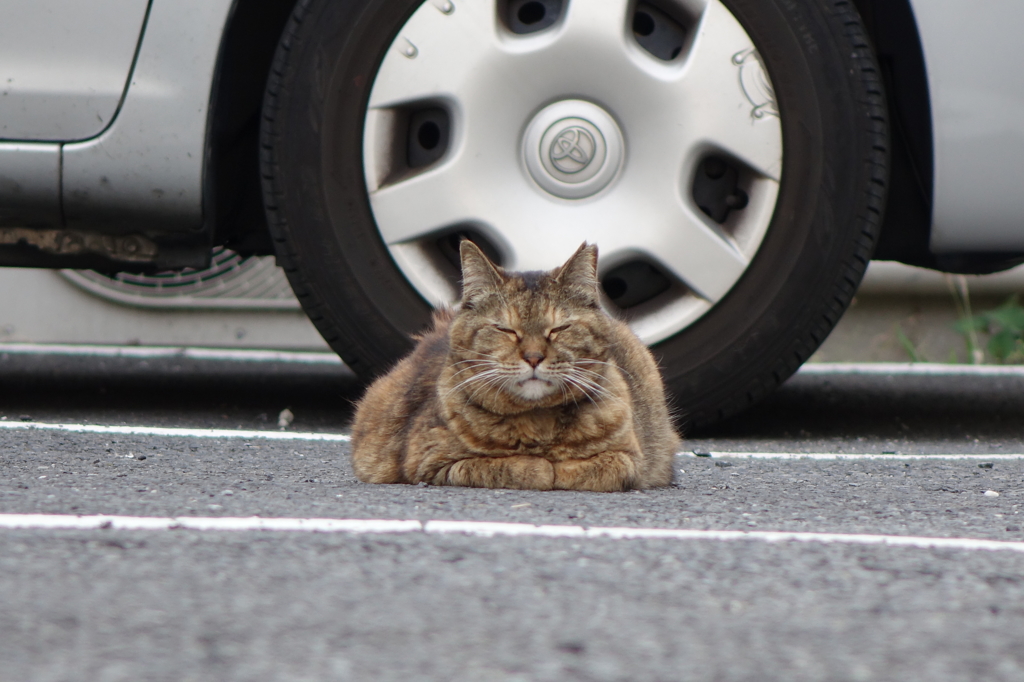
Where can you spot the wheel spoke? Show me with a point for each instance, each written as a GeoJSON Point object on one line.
{"type": "Point", "coordinates": [599, 23]}
{"type": "Point", "coordinates": [585, 52]}
{"type": "Point", "coordinates": [421, 205]}
{"type": "Point", "coordinates": [703, 259]}
{"type": "Point", "coordinates": [721, 99]}
{"type": "Point", "coordinates": [435, 54]}
{"type": "Point", "coordinates": [670, 234]}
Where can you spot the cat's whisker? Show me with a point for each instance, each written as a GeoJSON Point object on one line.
{"type": "Point", "coordinates": [601, 388]}
{"type": "Point", "coordinates": [598, 391]}
{"type": "Point", "coordinates": [591, 385]}
{"type": "Point", "coordinates": [467, 369]}
{"type": "Point", "coordinates": [492, 381]}
{"type": "Point", "coordinates": [473, 360]}
{"type": "Point", "coordinates": [584, 373]}
{"type": "Point", "coordinates": [471, 350]}
{"type": "Point", "coordinates": [580, 387]}
{"type": "Point", "coordinates": [477, 375]}
{"type": "Point", "coordinates": [601, 396]}
{"type": "Point", "coordinates": [565, 396]}
{"type": "Point", "coordinates": [589, 361]}
{"type": "Point", "coordinates": [462, 371]}
{"type": "Point", "coordinates": [567, 392]}
{"type": "Point", "coordinates": [587, 372]}
{"type": "Point", "coordinates": [482, 376]}
{"type": "Point", "coordinates": [594, 380]}
{"type": "Point", "coordinates": [494, 372]}
{"type": "Point", "coordinates": [506, 386]}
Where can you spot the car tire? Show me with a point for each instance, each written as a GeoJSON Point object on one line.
{"type": "Point", "coordinates": [818, 235]}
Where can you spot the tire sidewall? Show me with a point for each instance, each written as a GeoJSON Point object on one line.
{"type": "Point", "coordinates": [823, 229]}
{"type": "Point", "coordinates": [328, 240]}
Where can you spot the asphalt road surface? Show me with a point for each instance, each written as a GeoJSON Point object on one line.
{"type": "Point", "coordinates": [109, 604]}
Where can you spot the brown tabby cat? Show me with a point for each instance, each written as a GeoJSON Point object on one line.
{"type": "Point", "coordinates": [529, 384]}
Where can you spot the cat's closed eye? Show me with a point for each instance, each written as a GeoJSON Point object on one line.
{"type": "Point", "coordinates": [506, 330]}
{"type": "Point", "coordinates": [554, 332]}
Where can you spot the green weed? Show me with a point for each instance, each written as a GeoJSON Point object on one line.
{"type": "Point", "coordinates": [908, 346]}
{"type": "Point", "coordinates": [962, 300]}
{"type": "Point", "coordinates": [1003, 325]}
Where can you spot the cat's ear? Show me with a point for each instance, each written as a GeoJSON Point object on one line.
{"type": "Point", "coordinates": [479, 275]}
{"type": "Point", "coordinates": [579, 274]}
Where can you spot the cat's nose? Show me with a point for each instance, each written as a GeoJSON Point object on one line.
{"type": "Point", "coordinates": [533, 358]}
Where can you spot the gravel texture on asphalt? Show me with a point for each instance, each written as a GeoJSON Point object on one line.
{"type": "Point", "coordinates": [188, 605]}
{"type": "Point", "coordinates": [185, 605]}
{"type": "Point", "coordinates": [59, 473]}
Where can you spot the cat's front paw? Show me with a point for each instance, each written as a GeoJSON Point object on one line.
{"type": "Point", "coordinates": [602, 473]}
{"type": "Point", "coordinates": [521, 472]}
{"type": "Point", "coordinates": [530, 473]}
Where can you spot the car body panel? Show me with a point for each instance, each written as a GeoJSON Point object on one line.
{"type": "Point", "coordinates": [64, 65]}
{"type": "Point", "coordinates": [977, 96]}
{"type": "Point", "coordinates": [146, 171]}
{"type": "Point", "coordinates": [29, 184]}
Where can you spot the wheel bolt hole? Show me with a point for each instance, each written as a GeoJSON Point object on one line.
{"type": "Point", "coordinates": [429, 135]}
{"type": "Point", "coordinates": [717, 190]}
{"type": "Point", "coordinates": [715, 168]}
{"type": "Point", "coordinates": [615, 287]}
{"type": "Point", "coordinates": [643, 24]}
{"type": "Point", "coordinates": [634, 283]}
{"type": "Point", "coordinates": [448, 247]}
{"type": "Point", "coordinates": [524, 17]}
{"type": "Point", "coordinates": [531, 13]}
{"type": "Point", "coordinates": [738, 200]}
{"type": "Point", "coordinates": [662, 34]}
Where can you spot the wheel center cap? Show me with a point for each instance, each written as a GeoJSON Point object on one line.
{"type": "Point", "coordinates": [573, 149]}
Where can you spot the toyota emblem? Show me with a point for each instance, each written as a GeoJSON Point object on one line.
{"type": "Point", "coordinates": [572, 150]}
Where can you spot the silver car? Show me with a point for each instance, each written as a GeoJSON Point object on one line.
{"type": "Point", "coordinates": [738, 162]}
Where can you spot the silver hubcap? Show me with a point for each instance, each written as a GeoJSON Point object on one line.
{"type": "Point", "coordinates": [577, 132]}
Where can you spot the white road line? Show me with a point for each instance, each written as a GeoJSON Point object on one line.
{"type": "Point", "coordinates": [479, 529]}
{"type": "Point", "coordinates": [68, 522]}
{"type": "Point", "coordinates": [177, 433]}
{"type": "Point", "coordinates": [327, 358]}
{"type": "Point", "coordinates": [849, 456]}
{"type": "Point", "coordinates": [909, 369]}
{"type": "Point", "coordinates": [342, 438]}
{"type": "Point", "coordinates": [155, 352]}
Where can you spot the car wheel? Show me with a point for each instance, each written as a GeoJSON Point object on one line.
{"type": "Point", "coordinates": [727, 156]}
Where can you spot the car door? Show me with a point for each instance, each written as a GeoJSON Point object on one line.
{"type": "Point", "coordinates": [64, 65]}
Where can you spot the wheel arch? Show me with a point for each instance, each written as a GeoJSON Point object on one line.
{"type": "Point", "coordinates": [906, 226]}
{"type": "Point", "coordinates": [233, 200]}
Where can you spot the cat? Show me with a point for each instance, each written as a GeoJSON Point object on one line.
{"type": "Point", "coordinates": [527, 384]}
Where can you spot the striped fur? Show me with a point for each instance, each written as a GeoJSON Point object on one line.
{"type": "Point", "coordinates": [529, 384]}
